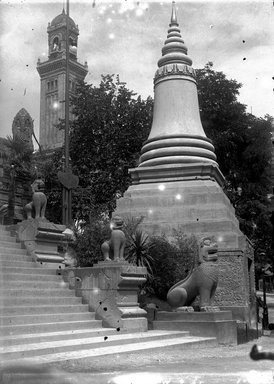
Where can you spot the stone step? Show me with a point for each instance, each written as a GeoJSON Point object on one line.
{"type": "Point", "coordinates": [30, 338]}
{"type": "Point", "coordinates": [6, 237]}
{"type": "Point", "coordinates": [11, 277]}
{"type": "Point", "coordinates": [224, 330]}
{"type": "Point", "coordinates": [32, 269]}
{"type": "Point", "coordinates": [4, 230]}
{"type": "Point", "coordinates": [11, 244]}
{"type": "Point", "coordinates": [15, 257]}
{"type": "Point", "coordinates": [23, 292]}
{"type": "Point", "coordinates": [33, 300]}
{"type": "Point", "coordinates": [52, 347]}
{"type": "Point", "coordinates": [44, 309]}
{"type": "Point", "coordinates": [45, 318]}
{"type": "Point", "coordinates": [31, 284]}
{"type": "Point", "coordinates": [138, 344]}
{"type": "Point", "coordinates": [12, 251]}
{"type": "Point", "coordinates": [16, 264]}
{"type": "Point", "coordinates": [48, 327]}
{"type": "Point", "coordinates": [194, 316]}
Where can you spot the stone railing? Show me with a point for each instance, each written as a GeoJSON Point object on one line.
{"type": "Point", "coordinates": [111, 290]}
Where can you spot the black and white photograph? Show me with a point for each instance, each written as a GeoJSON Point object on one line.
{"type": "Point", "coordinates": [136, 192]}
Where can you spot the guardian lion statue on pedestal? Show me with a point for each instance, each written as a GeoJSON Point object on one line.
{"type": "Point", "coordinates": [202, 280]}
{"type": "Point", "coordinates": [113, 249]}
{"type": "Point", "coordinates": [39, 200]}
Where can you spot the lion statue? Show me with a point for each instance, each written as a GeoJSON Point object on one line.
{"type": "Point", "coordinates": [39, 200]}
{"type": "Point", "coordinates": [113, 249]}
{"type": "Point", "coordinates": [202, 281]}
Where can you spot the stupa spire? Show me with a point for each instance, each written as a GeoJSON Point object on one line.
{"type": "Point", "coordinates": [177, 135]}
{"type": "Point", "coordinates": [173, 20]}
{"type": "Point", "coordinates": [174, 49]}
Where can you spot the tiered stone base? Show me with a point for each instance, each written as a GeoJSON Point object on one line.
{"type": "Point", "coordinates": [198, 207]}
{"type": "Point", "coordinates": [206, 324]}
{"type": "Point", "coordinates": [190, 198]}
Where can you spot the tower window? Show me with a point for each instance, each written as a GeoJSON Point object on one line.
{"type": "Point", "coordinates": [48, 85]}
{"type": "Point", "coordinates": [56, 83]}
{"type": "Point", "coordinates": [51, 84]}
{"type": "Point", "coordinates": [72, 43]}
{"type": "Point", "coordinates": [55, 44]}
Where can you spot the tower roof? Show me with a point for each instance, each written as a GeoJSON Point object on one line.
{"type": "Point", "coordinates": [22, 113]}
{"type": "Point", "coordinates": [61, 20]}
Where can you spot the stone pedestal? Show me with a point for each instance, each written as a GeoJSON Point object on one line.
{"type": "Point", "coordinates": [111, 290]}
{"type": "Point", "coordinates": [197, 205]}
{"type": "Point", "coordinates": [204, 324]}
{"type": "Point", "coordinates": [41, 239]}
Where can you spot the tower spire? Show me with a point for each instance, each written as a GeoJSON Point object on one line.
{"type": "Point", "coordinates": [177, 135]}
{"type": "Point", "coordinates": [173, 20]}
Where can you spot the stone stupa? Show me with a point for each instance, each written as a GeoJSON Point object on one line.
{"type": "Point", "coordinates": [178, 183]}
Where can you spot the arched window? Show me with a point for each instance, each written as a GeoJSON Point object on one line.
{"type": "Point", "coordinates": [72, 43]}
{"type": "Point", "coordinates": [55, 44]}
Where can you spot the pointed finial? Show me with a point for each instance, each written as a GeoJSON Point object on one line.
{"type": "Point", "coordinates": [173, 20]}
{"type": "Point", "coordinates": [63, 12]}
{"type": "Point", "coordinates": [174, 49]}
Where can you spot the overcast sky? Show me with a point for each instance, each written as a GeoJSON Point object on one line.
{"type": "Point", "coordinates": [126, 38]}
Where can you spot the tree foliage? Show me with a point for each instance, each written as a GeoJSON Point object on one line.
{"type": "Point", "coordinates": [106, 137]}
{"type": "Point", "coordinates": [243, 148]}
{"type": "Point", "coordinates": [172, 262]}
{"type": "Point", "coordinates": [18, 155]}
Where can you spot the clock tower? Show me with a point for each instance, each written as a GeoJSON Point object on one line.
{"type": "Point", "coordinates": [53, 77]}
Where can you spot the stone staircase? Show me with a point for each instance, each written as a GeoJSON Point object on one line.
{"type": "Point", "coordinates": [42, 321]}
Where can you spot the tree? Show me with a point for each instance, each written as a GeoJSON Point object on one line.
{"type": "Point", "coordinates": [243, 148]}
{"type": "Point", "coordinates": [110, 125]}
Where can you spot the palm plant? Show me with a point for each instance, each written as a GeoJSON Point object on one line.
{"type": "Point", "coordinates": [138, 245]}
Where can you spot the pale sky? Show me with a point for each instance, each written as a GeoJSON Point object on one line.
{"type": "Point", "coordinates": [126, 38]}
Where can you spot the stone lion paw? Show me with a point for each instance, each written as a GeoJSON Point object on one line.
{"type": "Point", "coordinates": [210, 308]}
{"type": "Point", "coordinates": [184, 309]}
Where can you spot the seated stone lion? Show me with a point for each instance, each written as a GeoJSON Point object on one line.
{"type": "Point", "coordinates": [39, 200]}
{"type": "Point", "coordinates": [113, 249]}
{"type": "Point", "coordinates": [202, 280]}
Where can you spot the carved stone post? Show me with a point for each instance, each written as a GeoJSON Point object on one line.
{"type": "Point", "coordinates": [111, 290]}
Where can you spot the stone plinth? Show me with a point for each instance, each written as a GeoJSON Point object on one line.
{"type": "Point", "coordinates": [205, 324]}
{"type": "Point", "coordinates": [41, 239]}
{"type": "Point", "coordinates": [236, 287]}
{"type": "Point", "coordinates": [198, 207]}
{"type": "Point", "coordinates": [111, 290]}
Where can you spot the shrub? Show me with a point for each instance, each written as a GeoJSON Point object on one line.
{"type": "Point", "coordinates": [172, 261]}
{"type": "Point", "coordinates": [87, 245]}
{"type": "Point", "coordinates": [138, 244]}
